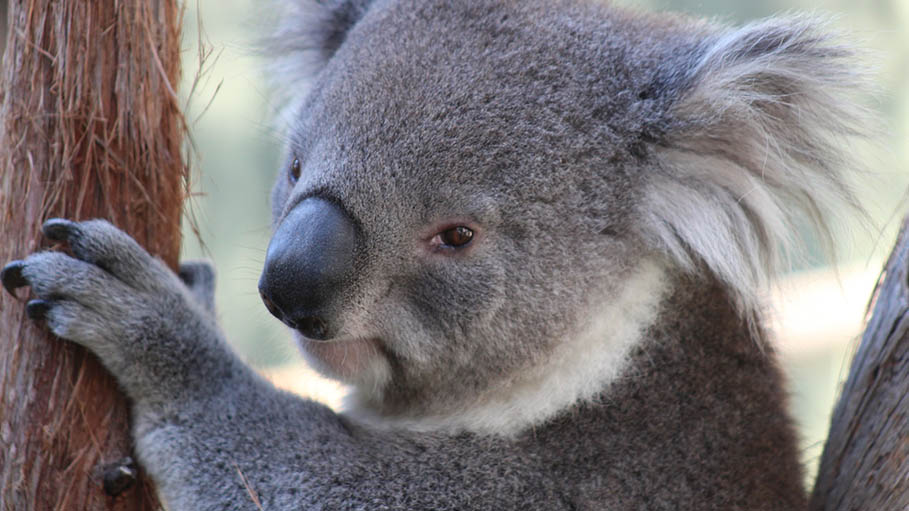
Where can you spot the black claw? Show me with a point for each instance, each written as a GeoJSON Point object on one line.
{"type": "Point", "coordinates": [187, 275]}
{"type": "Point", "coordinates": [120, 476]}
{"type": "Point", "coordinates": [37, 309]}
{"type": "Point", "coordinates": [11, 276]}
{"type": "Point", "coordinates": [58, 229]}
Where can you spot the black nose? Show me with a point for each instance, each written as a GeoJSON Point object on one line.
{"type": "Point", "coordinates": [310, 259]}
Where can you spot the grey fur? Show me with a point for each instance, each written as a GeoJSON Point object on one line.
{"type": "Point", "coordinates": [576, 139]}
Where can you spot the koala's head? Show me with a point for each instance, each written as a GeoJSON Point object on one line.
{"type": "Point", "coordinates": [467, 183]}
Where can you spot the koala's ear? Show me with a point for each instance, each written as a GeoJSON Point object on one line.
{"type": "Point", "coordinates": [754, 144]}
{"type": "Point", "coordinates": [307, 34]}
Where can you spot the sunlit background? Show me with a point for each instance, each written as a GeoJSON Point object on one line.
{"type": "Point", "coordinates": [819, 312]}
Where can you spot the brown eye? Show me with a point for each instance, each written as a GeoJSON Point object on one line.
{"type": "Point", "coordinates": [294, 173]}
{"type": "Point", "coordinates": [456, 236]}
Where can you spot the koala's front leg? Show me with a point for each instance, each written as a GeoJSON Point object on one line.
{"type": "Point", "coordinates": [149, 329]}
{"type": "Point", "coordinates": [155, 331]}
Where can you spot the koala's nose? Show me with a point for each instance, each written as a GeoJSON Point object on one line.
{"type": "Point", "coordinates": [309, 259]}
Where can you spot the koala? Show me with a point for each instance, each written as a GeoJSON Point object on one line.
{"type": "Point", "coordinates": [532, 237]}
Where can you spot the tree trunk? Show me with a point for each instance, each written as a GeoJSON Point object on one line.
{"type": "Point", "coordinates": [865, 465]}
{"type": "Point", "coordinates": [90, 127]}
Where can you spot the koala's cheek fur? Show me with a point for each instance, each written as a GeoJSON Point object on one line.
{"type": "Point", "coordinates": [432, 318]}
{"type": "Point", "coordinates": [535, 382]}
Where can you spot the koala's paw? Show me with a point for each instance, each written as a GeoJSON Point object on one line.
{"type": "Point", "coordinates": [111, 296]}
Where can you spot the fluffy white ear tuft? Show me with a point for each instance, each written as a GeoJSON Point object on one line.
{"type": "Point", "coordinates": [756, 144]}
{"type": "Point", "coordinates": [305, 34]}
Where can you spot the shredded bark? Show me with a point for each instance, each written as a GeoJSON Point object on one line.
{"type": "Point", "coordinates": [91, 128]}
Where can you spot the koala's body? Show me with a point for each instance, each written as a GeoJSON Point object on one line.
{"type": "Point", "coordinates": [532, 236]}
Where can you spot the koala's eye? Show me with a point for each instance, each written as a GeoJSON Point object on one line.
{"type": "Point", "coordinates": [455, 237]}
{"type": "Point", "coordinates": [294, 173]}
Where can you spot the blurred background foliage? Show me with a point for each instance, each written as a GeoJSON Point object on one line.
{"type": "Point", "coordinates": [818, 312]}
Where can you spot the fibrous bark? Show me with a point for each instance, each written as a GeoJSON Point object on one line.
{"type": "Point", "coordinates": [90, 127]}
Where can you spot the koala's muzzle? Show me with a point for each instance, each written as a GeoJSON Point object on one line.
{"type": "Point", "coordinates": [309, 260]}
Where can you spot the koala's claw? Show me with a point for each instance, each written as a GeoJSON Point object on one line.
{"type": "Point", "coordinates": [199, 277]}
{"type": "Point", "coordinates": [197, 273]}
{"type": "Point", "coordinates": [59, 229]}
{"type": "Point", "coordinates": [11, 276]}
{"type": "Point", "coordinates": [37, 309]}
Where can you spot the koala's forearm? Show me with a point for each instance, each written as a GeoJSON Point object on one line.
{"type": "Point", "coordinates": [255, 443]}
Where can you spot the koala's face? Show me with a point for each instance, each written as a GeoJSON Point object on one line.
{"type": "Point", "coordinates": [456, 197]}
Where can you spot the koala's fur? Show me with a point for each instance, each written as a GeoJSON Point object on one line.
{"type": "Point", "coordinates": [632, 180]}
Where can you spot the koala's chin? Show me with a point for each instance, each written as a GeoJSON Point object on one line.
{"type": "Point", "coordinates": [357, 360]}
